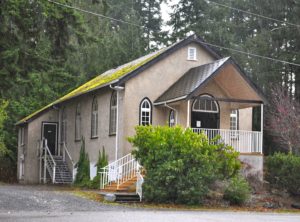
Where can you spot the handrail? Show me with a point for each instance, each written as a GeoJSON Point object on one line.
{"type": "Point", "coordinates": [70, 158]}
{"type": "Point", "coordinates": [54, 163]}
{"type": "Point", "coordinates": [116, 162]}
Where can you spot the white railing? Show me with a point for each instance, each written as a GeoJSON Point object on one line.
{"type": "Point", "coordinates": [119, 171]}
{"type": "Point", "coordinates": [66, 151]}
{"type": "Point", "coordinates": [49, 163]}
{"type": "Point", "coordinates": [241, 140]}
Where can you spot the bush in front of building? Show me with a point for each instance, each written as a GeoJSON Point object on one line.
{"type": "Point", "coordinates": [82, 178]}
{"type": "Point", "coordinates": [283, 172]}
{"type": "Point", "coordinates": [237, 191]}
{"type": "Point", "coordinates": [102, 162]}
{"type": "Point", "coordinates": [181, 165]}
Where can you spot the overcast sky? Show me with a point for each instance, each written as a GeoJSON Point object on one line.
{"type": "Point", "coordinates": [165, 10]}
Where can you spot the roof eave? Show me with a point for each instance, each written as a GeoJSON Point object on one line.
{"type": "Point", "coordinates": [169, 100]}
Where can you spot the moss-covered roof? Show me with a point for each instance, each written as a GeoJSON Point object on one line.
{"type": "Point", "coordinates": [104, 79]}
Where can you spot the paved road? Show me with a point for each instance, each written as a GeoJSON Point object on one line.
{"type": "Point", "coordinates": [38, 203]}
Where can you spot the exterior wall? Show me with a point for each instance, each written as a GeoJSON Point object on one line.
{"type": "Point", "coordinates": [252, 165]}
{"type": "Point", "coordinates": [152, 83]}
{"type": "Point", "coordinates": [22, 148]}
{"type": "Point", "coordinates": [92, 145]}
{"type": "Point", "coordinates": [245, 119]}
{"type": "Point", "coordinates": [33, 135]}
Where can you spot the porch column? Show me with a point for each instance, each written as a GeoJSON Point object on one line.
{"type": "Point", "coordinates": [117, 127]}
{"type": "Point", "coordinates": [261, 126]}
{"type": "Point", "coordinates": [188, 114]}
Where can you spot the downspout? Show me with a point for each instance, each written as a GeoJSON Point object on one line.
{"type": "Point", "coordinates": [117, 89]}
{"type": "Point", "coordinates": [175, 110]}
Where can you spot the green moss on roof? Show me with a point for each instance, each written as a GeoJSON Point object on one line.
{"type": "Point", "coordinates": [97, 82]}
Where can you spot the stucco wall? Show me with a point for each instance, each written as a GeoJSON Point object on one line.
{"type": "Point", "coordinates": [245, 119]}
{"type": "Point", "coordinates": [152, 83]}
{"type": "Point", "coordinates": [31, 162]}
{"type": "Point", "coordinates": [92, 145]}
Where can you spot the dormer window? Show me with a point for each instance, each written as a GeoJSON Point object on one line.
{"type": "Point", "coordinates": [192, 53]}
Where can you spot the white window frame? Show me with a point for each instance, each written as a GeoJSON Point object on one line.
{"type": "Point", "coordinates": [190, 56]}
{"type": "Point", "coordinates": [147, 111]}
{"type": "Point", "coordinates": [172, 118]}
{"type": "Point", "coordinates": [94, 118]}
{"type": "Point", "coordinates": [113, 114]}
{"type": "Point", "coordinates": [234, 127]}
{"type": "Point", "coordinates": [202, 99]}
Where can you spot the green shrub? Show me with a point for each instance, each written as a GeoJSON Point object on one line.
{"type": "Point", "coordinates": [180, 165]}
{"type": "Point", "coordinates": [102, 162]}
{"type": "Point", "coordinates": [83, 168]}
{"type": "Point", "coordinates": [283, 172]}
{"type": "Point", "coordinates": [238, 191]}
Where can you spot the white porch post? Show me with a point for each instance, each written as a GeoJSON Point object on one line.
{"type": "Point", "coordinates": [117, 126]}
{"type": "Point", "coordinates": [261, 126]}
{"type": "Point", "coordinates": [188, 114]}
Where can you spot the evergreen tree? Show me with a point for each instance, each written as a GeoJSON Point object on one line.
{"type": "Point", "coordinates": [83, 167]}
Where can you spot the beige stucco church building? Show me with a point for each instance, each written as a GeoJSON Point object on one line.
{"type": "Point", "coordinates": [187, 84]}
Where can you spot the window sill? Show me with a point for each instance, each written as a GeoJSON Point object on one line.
{"type": "Point", "coordinates": [195, 60]}
{"type": "Point", "coordinates": [94, 137]}
{"type": "Point", "coordinates": [112, 134]}
{"type": "Point", "coordinates": [77, 140]}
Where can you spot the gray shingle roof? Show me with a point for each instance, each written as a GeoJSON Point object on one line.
{"type": "Point", "coordinates": [190, 81]}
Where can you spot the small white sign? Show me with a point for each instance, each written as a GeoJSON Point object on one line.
{"type": "Point", "coordinates": [198, 124]}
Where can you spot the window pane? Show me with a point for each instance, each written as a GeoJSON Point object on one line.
{"type": "Point", "coordinates": [145, 112]}
{"type": "Point", "coordinates": [94, 118]}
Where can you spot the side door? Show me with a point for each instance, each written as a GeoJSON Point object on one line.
{"type": "Point", "coordinates": [49, 132]}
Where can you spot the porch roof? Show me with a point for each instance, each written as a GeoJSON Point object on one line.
{"type": "Point", "coordinates": [198, 77]}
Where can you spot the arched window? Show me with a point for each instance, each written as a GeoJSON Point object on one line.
{"type": "Point", "coordinates": [113, 114]}
{"type": "Point", "coordinates": [94, 118]}
{"type": "Point", "coordinates": [205, 103]}
{"type": "Point", "coordinates": [172, 118]}
{"type": "Point", "coordinates": [145, 112]}
{"type": "Point", "coordinates": [63, 130]}
{"type": "Point", "coordinates": [78, 122]}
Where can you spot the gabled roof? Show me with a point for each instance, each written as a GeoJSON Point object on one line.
{"type": "Point", "coordinates": [190, 81]}
{"type": "Point", "coordinates": [123, 73]}
{"type": "Point", "coordinates": [197, 77]}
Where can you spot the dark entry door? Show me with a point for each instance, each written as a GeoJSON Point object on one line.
{"type": "Point", "coordinates": [205, 120]}
{"type": "Point", "coordinates": [49, 132]}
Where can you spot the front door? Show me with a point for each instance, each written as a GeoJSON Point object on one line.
{"type": "Point", "coordinates": [205, 120]}
{"type": "Point", "coordinates": [205, 113]}
{"type": "Point", "coordinates": [49, 132]}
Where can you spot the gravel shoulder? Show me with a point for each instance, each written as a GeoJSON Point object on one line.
{"type": "Point", "coordinates": [16, 198]}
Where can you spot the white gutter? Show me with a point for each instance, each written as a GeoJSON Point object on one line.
{"type": "Point", "coordinates": [170, 101]}
{"type": "Point", "coordinates": [175, 110]}
{"type": "Point", "coordinates": [117, 88]}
